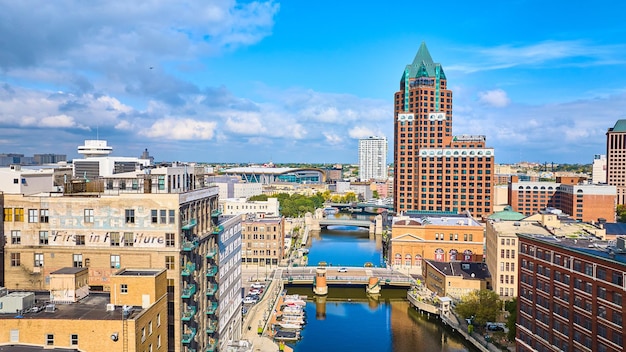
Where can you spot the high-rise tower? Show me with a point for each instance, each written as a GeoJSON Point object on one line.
{"type": "Point", "coordinates": [434, 170]}
{"type": "Point", "coordinates": [615, 156]}
{"type": "Point", "coordinates": [373, 158]}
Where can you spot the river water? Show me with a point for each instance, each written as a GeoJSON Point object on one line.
{"type": "Point", "coordinates": [347, 319]}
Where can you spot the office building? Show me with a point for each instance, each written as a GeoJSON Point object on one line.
{"type": "Point", "coordinates": [373, 159]}
{"type": "Point", "coordinates": [616, 159]}
{"type": "Point", "coordinates": [598, 170]}
{"type": "Point", "coordinates": [132, 317]}
{"type": "Point", "coordinates": [267, 208]}
{"type": "Point", "coordinates": [571, 294]}
{"type": "Point", "coordinates": [263, 241]}
{"type": "Point", "coordinates": [584, 202]}
{"type": "Point", "coordinates": [164, 219]}
{"type": "Point", "coordinates": [435, 170]}
{"type": "Point", "coordinates": [417, 236]}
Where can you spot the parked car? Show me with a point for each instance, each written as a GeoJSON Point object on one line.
{"type": "Point", "coordinates": [342, 270]}
{"type": "Point", "coordinates": [495, 327]}
{"type": "Point", "coordinates": [255, 291]}
{"type": "Point", "coordinates": [258, 285]}
{"type": "Point", "coordinates": [250, 300]}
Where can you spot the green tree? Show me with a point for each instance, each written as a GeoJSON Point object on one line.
{"type": "Point", "coordinates": [258, 198]}
{"type": "Point", "coordinates": [621, 212]}
{"type": "Point", "coordinates": [483, 305]}
{"type": "Point", "coordinates": [511, 307]}
{"type": "Point", "coordinates": [375, 195]}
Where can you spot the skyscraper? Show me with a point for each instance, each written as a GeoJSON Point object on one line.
{"type": "Point", "coordinates": [615, 156]}
{"type": "Point", "coordinates": [373, 158]}
{"type": "Point", "coordinates": [434, 170]}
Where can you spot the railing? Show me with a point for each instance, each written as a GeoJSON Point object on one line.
{"type": "Point", "coordinates": [216, 213]}
{"type": "Point", "coordinates": [189, 246]}
{"type": "Point", "coordinates": [210, 291]}
{"type": "Point", "coordinates": [188, 225]}
{"type": "Point", "coordinates": [212, 308]}
{"type": "Point", "coordinates": [212, 271]}
{"type": "Point", "coordinates": [212, 347]}
{"type": "Point", "coordinates": [189, 313]}
{"type": "Point", "coordinates": [189, 291]}
{"type": "Point", "coordinates": [211, 326]}
{"type": "Point", "coordinates": [216, 230]}
{"type": "Point", "coordinates": [188, 337]}
{"type": "Point", "coordinates": [211, 253]}
{"type": "Point", "coordinates": [188, 269]}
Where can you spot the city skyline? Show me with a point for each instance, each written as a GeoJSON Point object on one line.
{"type": "Point", "coordinates": [296, 82]}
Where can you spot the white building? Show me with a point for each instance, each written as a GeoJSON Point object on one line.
{"type": "Point", "coordinates": [598, 172]}
{"type": "Point", "coordinates": [97, 161]}
{"type": "Point", "coordinates": [235, 187]}
{"type": "Point", "coordinates": [15, 180]}
{"type": "Point", "coordinates": [373, 158]}
{"type": "Point", "coordinates": [237, 206]}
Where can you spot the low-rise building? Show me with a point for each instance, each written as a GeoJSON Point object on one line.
{"type": "Point", "coordinates": [238, 206]}
{"type": "Point", "coordinates": [263, 240]}
{"type": "Point", "coordinates": [456, 279]}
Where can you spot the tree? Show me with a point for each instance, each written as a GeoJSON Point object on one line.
{"type": "Point", "coordinates": [511, 307]}
{"type": "Point", "coordinates": [375, 194]}
{"type": "Point", "coordinates": [621, 212]}
{"type": "Point", "coordinates": [258, 198]}
{"type": "Point", "coordinates": [483, 305]}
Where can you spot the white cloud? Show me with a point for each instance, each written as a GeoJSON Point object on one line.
{"type": "Point", "coordinates": [497, 98]}
{"type": "Point", "coordinates": [358, 132]}
{"type": "Point", "coordinates": [181, 129]}
{"type": "Point", "coordinates": [332, 139]}
{"type": "Point", "coordinates": [246, 123]}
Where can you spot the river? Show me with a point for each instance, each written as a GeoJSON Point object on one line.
{"type": "Point", "coordinates": [347, 319]}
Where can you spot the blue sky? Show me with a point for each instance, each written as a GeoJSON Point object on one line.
{"type": "Point", "coordinates": [302, 81]}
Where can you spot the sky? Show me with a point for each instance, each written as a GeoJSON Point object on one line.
{"type": "Point", "coordinates": [301, 81]}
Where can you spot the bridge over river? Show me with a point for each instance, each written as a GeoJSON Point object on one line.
{"type": "Point", "coordinates": [357, 276]}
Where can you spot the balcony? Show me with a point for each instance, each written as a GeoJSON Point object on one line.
{"type": "Point", "coordinates": [210, 291]}
{"type": "Point", "coordinates": [188, 336]}
{"type": "Point", "coordinates": [189, 291]}
{"type": "Point", "coordinates": [190, 224]}
{"type": "Point", "coordinates": [211, 326]}
{"type": "Point", "coordinates": [216, 230]}
{"type": "Point", "coordinates": [212, 271]}
{"type": "Point", "coordinates": [215, 213]}
{"type": "Point", "coordinates": [189, 246]}
{"type": "Point", "coordinates": [188, 269]}
{"type": "Point", "coordinates": [212, 308]}
{"type": "Point", "coordinates": [188, 313]}
{"type": "Point", "coordinates": [211, 253]}
{"type": "Point", "coordinates": [212, 347]}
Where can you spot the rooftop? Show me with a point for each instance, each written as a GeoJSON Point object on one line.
{"type": "Point", "coordinates": [92, 307]}
{"type": "Point", "coordinates": [68, 270]}
{"type": "Point", "coordinates": [620, 126]}
{"type": "Point", "coordinates": [605, 250]}
{"type": "Point", "coordinates": [138, 272]}
{"type": "Point", "coordinates": [26, 348]}
{"type": "Point", "coordinates": [435, 218]}
{"type": "Point", "coordinates": [467, 270]}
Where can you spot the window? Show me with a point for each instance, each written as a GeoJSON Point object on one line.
{"type": "Point", "coordinates": [115, 239]}
{"type": "Point", "coordinates": [150, 328]}
{"type": "Point", "coordinates": [32, 215]}
{"type": "Point", "coordinates": [15, 259]}
{"type": "Point", "coordinates": [115, 261]}
{"type": "Point", "coordinates": [143, 334]}
{"type": "Point", "coordinates": [159, 321]}
{"type": "Point", "coordinates": [153, 216]}
{"type": "Point", "coordinates": [43, 216]}
{"type": "Point", "coordinates": [171, 216]}
{"type": "Point", "coordinates": [169, 240]}
{"type": "Point", "coordinates": [74, 340]}
{"type": "Point", "coordinates": [16, 237]}
{"type": "Point", "coordinates": [19, 214]}
{"type": "Point", "coordinates": [158, 341]}
{"type": "Point", "coordinates": [8, 214]}
{"type": "Point", "coordinates": [128, 239]}
{"type": "Point", "coordinates": [38, 260]}
{"type": "Point", "coordinates": [130, 216]}
{"type": "Point", "coordinates": [163, 216]}
{"type": "Point", "coordinates": [169, 262]}
{"type": "Point", "coordinates": [43, 237]}
{"type": "Point", "coordinates": [80, 240]}
{"type": "Point", "coordinates": [88, 215]}
{"type": "Point", "coordinates": [124, 289]}
{"type": "Point", "coordinates": [49, 339]}
{"type": "Point", "coordinates": [78, 260]}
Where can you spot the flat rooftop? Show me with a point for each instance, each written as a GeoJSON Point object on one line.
{"type": "Point", "coordinates": [138, 272]}
{"type": "Point", "coordinates": [468, 270]}
{"type": "Point", "coordinates": [605, 250]}
{"type": "Point", "coordinates": [435, 219]}
{"type": "Point", "coordinates": [26, 348]}
{"type": "Point", "coordinates": [68, 270]}
{"type": "Point", "coordinates": [92, 307]}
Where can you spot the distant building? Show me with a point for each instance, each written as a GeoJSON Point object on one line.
{"type": "Point", "coordinates": [234, 187]}
{"type": "Point", "coordinates": [97, 162]}
{"type": "Point", "coordinates": [598, 171]}
{"type": "Point", "coordinates": [616, 159]}
{"type": "Point", "coordinates": [571, 294]}
{"type": "Point", "coordinates": [270, 175]}
{"type": "Point", "coordinates": [584, 202]}
{"type": "Point", "coordinates": [456, 279]}
{"type": "Point", "coordinates": [132, 317]}
{"type": "Point", "coordinates": [16, 180]}
{"type": "Point", "coordinates": [373, 158]}
{"type": "Point", "coordinates": [434, 170]}
{"type": "Point", "coordinates": [417, 236]}
{"type": "Point", "coordinates": [335, 173]}
{"type": "Point", "coordinates": [239, 206]}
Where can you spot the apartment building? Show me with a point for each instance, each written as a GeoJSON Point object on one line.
{"type": "Point", "coordinates": [417, 236]}
{"type": "Point", "coordinates": [132, 317]}
{"type": "Point", "coordinates": [263, 240]}
{"type": "Point", "coordinates": [435, 170]}
{"type": "Point", "coordinates": [456, 279]}
{"type": "Point", "coordinates": [373, 158]}
{"type": "Point", "coordinates": [162, 219]}
{"type": "Point", "coordinates": [571, 294]}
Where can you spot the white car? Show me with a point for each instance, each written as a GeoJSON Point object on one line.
{"type": "Point", "coordinates": [342, 270]}
{"type": "Point", "coordinates": [257, 285]}
{"type": "Point", "coordinates": [249, 299]}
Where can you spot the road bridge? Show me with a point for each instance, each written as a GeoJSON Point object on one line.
{"type": "Point", "coordinates": [315, 221]}
{"type": "Point", "coordinates": [344, 222]}
{"type": "Point", "coordinates": [355, 276]}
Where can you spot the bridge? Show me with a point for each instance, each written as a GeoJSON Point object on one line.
{"type": "Point", "coordinates": [353, 276]}
{"type": "Point", "coordinates": [344, 222]}
{"type": "Point", "coordinates": [360, 205]}
{"type": "Point", "coordinates": [315, 221]}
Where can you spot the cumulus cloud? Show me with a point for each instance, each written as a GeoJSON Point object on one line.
{"type": "Point", "coordinates": [332, 138]}
{"type": "Point", "coordinates": [358, 132]}
{"type": "Point", "coordinates": [181, 129]}
{"type": "Point", "coordinates": [496, 98]}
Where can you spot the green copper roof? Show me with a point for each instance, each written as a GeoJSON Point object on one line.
{"type": "Point", "coordinates": [507, 214]}
{"type": "Point", "coordinates": [620, 126]}
{"type": "Point", "coordinates": [423, 65]}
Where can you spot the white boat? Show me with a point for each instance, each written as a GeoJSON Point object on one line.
{"type": "Point", "coordinates": [290, 326]}
{"type": "Point", "coordinates": [292, 309]}
{"type": "Point", "coordinates": [292, 320]}
{"type": "Point", "coordinates": [297, 300]}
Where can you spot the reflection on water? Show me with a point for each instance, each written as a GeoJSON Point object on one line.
{"type": "Point", "coordinates": [345, 246]}
{"type": "Point", "coordinates": [365, 323]}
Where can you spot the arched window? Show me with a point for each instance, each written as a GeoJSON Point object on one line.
{"type": "Point", "coordinates": [467, 255]}
{"type": "Point", "coordinates": [439, 255]}
{"type": "Point", "coordinates": [398, 259]}
{"type": "Point", "coordinates": [453, 254]}
{"type": "Point", "coordinates": [407, 260]}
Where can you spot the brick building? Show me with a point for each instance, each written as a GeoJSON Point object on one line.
{"type": "Point", "coordinates": [570, 294]}
{"type": "Point", "coordinates": [263, 240]}
{"type": "Point", "coordinates": [435, 170]}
